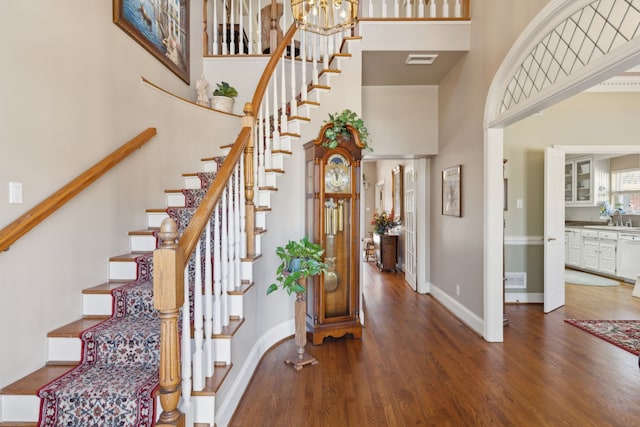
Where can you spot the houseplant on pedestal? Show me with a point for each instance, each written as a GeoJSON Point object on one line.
{"type": "Point", "coordinates": [223, 97]}
{"type": "Point", "coordinates": [299, 260]}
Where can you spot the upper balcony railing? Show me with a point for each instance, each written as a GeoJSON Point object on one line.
{"type": "Point", "coordinates": [254, 27]}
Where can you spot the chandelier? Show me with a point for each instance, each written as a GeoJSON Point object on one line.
{"type": "Point", "coordinates": [325, 17]}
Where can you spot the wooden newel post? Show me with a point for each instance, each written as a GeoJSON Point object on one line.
{"type": "Point", "coordinates": [250, 208]}
{"type": "Point", "coordinates": [168, 297]}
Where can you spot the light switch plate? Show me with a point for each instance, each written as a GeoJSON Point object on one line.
{"type": "Point", "coordinates": [15, 192]}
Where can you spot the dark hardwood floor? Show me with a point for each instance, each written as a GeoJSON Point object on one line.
{"type": "Point", "coordinates": [418, 365]}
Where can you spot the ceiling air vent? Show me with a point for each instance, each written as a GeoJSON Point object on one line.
{"type": "Point", "coordinates": [421, 58]}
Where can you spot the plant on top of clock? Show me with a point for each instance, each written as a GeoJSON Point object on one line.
{"type": "Point", "coordinates": [340, 122]}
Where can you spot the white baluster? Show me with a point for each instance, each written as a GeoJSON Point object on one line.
{"type": "Point", "coordinates": [432, 8]}
{"type": "Point", "coordinates": [283, 95]}
{"type": "Point", "coordinates": [370, 8]}
{"type": "Point", "coordinates": [224, 253]}
{"type": "Point", "coordinates": [396, 9]}
{"type": "Point", "coordinates": [250, 31]}
{"type": "Point", "coordinates": [445, 9]}
{"type": "Point", "coordinates": [294, 101]}
{"type": "Point", "coordinates": [224, 28]}
{"type": "Point", "coordinates": [259, 31]}
{"type": "Point", "coordinates": [421, 8]}
{"type": "Point", "coordinates": [315, 58]}
{"type": "Point", "coordinates": [230, 282]}
{"type": "Point", "coordinates": [458, 9]}
{"type": "Point", "coordinates": [408, 11]}
{"type": "Point", "coordinates": [238, 228]}
{"type": "Point", "coordinates": [260, 143]}
{"type": "Point", "coordinates": [243, 212]}
{"type": "Point", "coordinates": [186, 344]}
{"type": "Point", "coordinates": [276, 118]}
{"type": "Point", "coordinates": [208, 303]}
{"type": "Point", "coordinates": [240, 29]}
{"type": "Point", "coordinates": [384, 8]}
{"type": "Point", "coordinates": [216, 45]}
{"type": "Point", "coordinates": [232, 29]}
{"type": "Point", "coordinates": [198, 373]}
{"type": "Point", "coordinates": [267, 131]}
{"type": "Point", "coordinates": [217, 271]}
{"type": "Point", "coordinates": [303, 68]}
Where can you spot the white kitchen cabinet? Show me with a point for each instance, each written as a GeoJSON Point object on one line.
{"type": "Point", "coordinates": [573, 246]}
{"type": "Point", "coordinates": [599, 251]}
{"type": "Point", "coordinates": [586, 181]}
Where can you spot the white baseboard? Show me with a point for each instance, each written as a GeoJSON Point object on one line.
{"type": "Point", "coordinates": [523, 298]}
{"type": "Point", "coordinates": [268, 340]}
{"type": "Point", "coordinates": [458, 310]}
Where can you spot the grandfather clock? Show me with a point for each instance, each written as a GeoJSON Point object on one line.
{"type": "Point", "coordinates": [333, 221]}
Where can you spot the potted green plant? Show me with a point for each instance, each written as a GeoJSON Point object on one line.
{"type": "Point", "coordinates": [339, 128]}
{"type": "Point", "coordinates": [299, 259]}
{"type": "Point", "coordinates": [224, 97]}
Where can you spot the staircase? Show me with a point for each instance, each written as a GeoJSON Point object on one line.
{"type": "Point", "coordinates": [19, 403]}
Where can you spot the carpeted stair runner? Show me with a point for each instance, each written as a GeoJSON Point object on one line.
{"type": "Point", "coordinates": [114, 383]}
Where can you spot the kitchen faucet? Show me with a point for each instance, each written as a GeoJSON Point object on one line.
{"type": "Point", "coordinates": [621, 218]}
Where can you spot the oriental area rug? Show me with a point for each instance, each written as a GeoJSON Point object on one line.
{"type": "Point", "coordinates": [621, 333]}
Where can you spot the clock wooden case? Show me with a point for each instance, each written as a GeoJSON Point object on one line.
{"type": "Point", "coordinates": [333, 221]}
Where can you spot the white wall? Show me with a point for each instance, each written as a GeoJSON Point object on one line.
{"type": "Point", "coordinates": [71, 95]}
{"type": "Point", "coordinates": [401, 119]}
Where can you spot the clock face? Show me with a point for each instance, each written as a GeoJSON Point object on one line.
{"type": "Point", "coordinates": [337, 175]}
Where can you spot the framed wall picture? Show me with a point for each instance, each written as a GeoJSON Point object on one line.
{"type": "Point", "coordinates": [451, 197]}
{"type": "Point", "coordinates": [161, 27]}
{"type": "Point", "coordinates": [397, 196]}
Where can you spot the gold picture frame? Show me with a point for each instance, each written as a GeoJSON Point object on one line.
{"type": "Point", "coordinates": [398, 193]}
{"type": "Point", "coordinates": [451, 194]}
{"type": "Point", "coordinates": [159, 27]}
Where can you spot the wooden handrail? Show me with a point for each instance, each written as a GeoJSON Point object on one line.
{"type": "Point", "coordinates": [42, 210]}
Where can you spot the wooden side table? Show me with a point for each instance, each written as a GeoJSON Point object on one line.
{"type": "Point", "coordinates": [386, 251]}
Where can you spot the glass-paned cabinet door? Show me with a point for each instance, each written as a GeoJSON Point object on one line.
{"type": "Point", "coordinates": [568, 181]}
{"type": "Point", "coordinates": [583, 181]}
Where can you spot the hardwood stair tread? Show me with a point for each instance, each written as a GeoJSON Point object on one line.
{"type": "Point", "coordinates": [244, 288]}
{"type": "Point", "coordinates": [105, 288]}
{"type": "Point", "coordinates": [131, 256]}
{"type": "Point", "coordinates": [31, 383]}
{"type": "Point", "coordinates": [263, 209]}
{"type": "Point", "coordinates": [212, 384]}
{"type": "Point", "coordinates": [278, 171]}
{"type": "Point", "coordinates": [287, 152]}
{"type": "Point", "coordinates": [268, 188]}
{"type": "Point", "coordinates": [230, 330]}
{"type": "Point", "coordinates": [301, 118]}
{"type": "Point", "coordinates": [73, 329]}
{"type": "Point", "coordinates": [144, 232]}
{"type": "Point", "coordinates": [250, 258]}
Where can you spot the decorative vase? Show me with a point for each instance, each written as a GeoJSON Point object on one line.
{"type": "Point", "coordinates": [222, 103]}
{"type": "Point", "coordinates": [301, 358]}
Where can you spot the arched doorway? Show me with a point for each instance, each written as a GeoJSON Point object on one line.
{"type": "Point", "coordinates": [546, 65]}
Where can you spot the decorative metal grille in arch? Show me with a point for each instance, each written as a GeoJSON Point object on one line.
{"type": "Point", "coordinates": [585, 36]}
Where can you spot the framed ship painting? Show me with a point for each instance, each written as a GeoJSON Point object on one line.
{"type": "Point", "coordinates": [161, 27]}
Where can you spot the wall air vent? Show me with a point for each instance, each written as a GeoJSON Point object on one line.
{"type": "Point", "coordinates": [515, 280]}
{"type": "Point", "coordinates": [421, 58]}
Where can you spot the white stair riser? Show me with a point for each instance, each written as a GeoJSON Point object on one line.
{"type": "Point", "coordinates": [212, 165]}
{"type": "Point", "coordinates": [97, 304]}
{"type": "Point", "coordinates": [142, 243]}
{"type": "Point", "coordinates": [271, 179]}
{"type": "Point", "coordinates": [176, 200]}
{"type": "Point", "coordinates": [222, 350]}
{"type": "Point", "coordinates": [277, 160]}
{"type": "Point", "coordinates": [64, 349]}
{"type": "Point", "coordinates": [192, 182]}
{"type": "Point", "coordinates": [20, 408]}
{"type": "Point", "coordinates": [123, 270]}
{"type": "Point", "coordinates": [154, 219]}
{"type": "Point", "coordinates": [261, 219]}
{"type": "Point", "coordinates": [246, 271]}
{"type": "Point", "coordinates": [264, 198]}
{"type": "Point", "coordinates": [203, 408]}
{"type": "Point", "coordinates": [236, 306]}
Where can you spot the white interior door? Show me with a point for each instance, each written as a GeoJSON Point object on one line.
{"type": "Point", "coordinates": [409, 221]}
{"type": "Point", "coordinates": [553, 229]}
